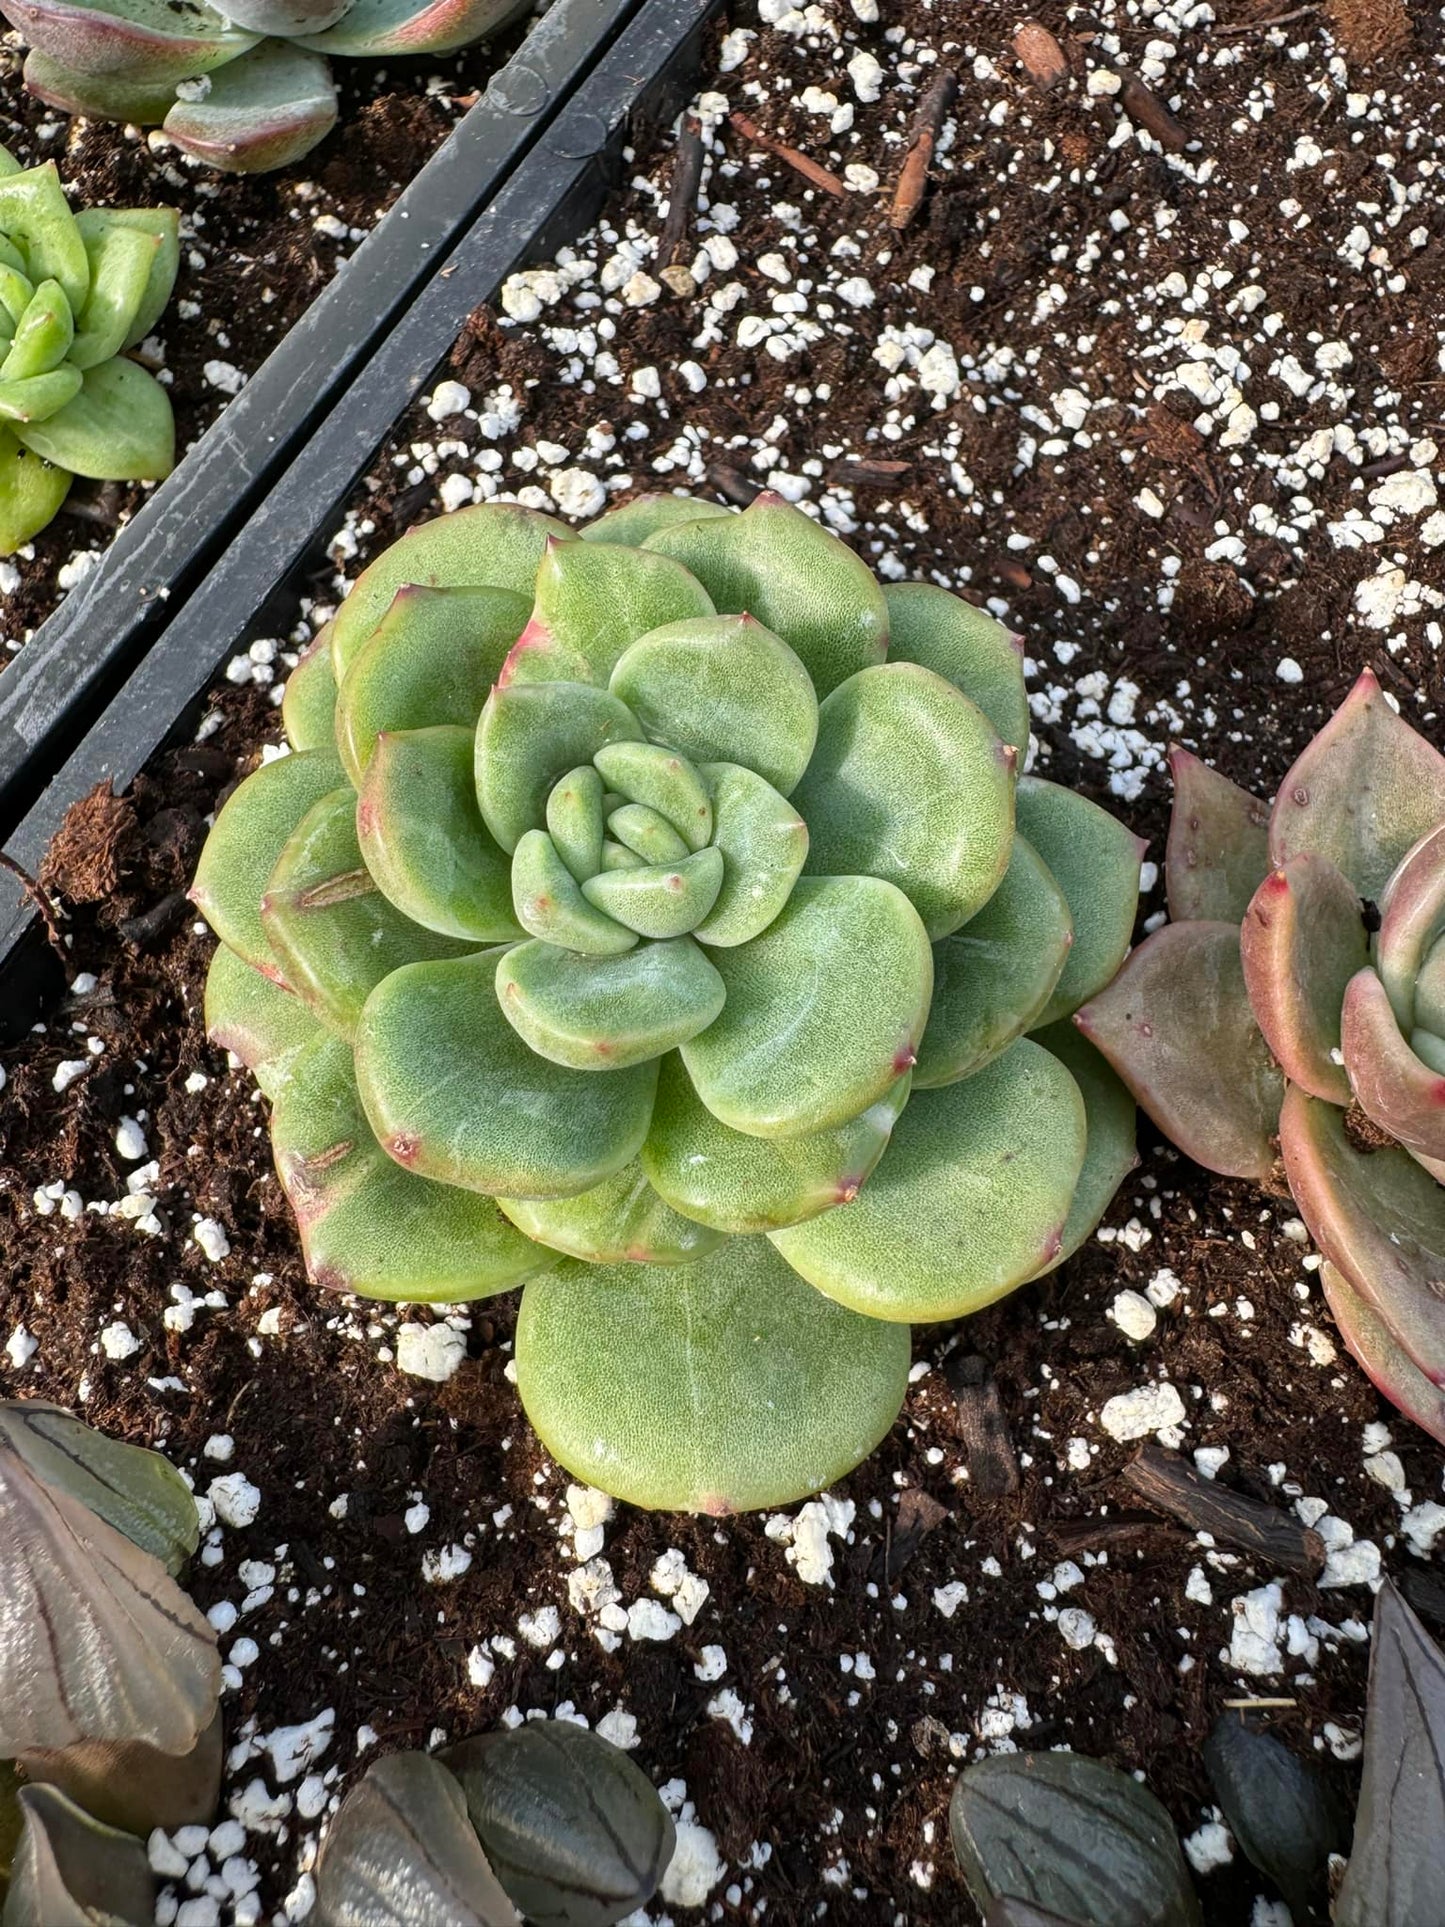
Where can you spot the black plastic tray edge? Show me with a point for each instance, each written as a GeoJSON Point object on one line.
{"type": "Point", "coordinates": [80, 656]}
{"type": "Point", "coordinates": [548, 200]}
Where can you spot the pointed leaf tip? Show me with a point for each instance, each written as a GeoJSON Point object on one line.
{"type": "Point", "coordinates": [1218, 845]}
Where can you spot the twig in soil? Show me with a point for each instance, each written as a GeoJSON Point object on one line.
{"type": "Point", "coordinates": [102, 508]}
{"type": "Point", "coordinates": [681, 200]}
{"type": "Point", "coordinates": [1144, 107]}
{"type": "Point", "coordinates": [992, 1468]}
{"type": "Point", "coordinates": [913, 181]}
{"type": "Point", "coordinates": [1274, 20]}
{"type": "Point", "coordinates": [856, 473]}
{"type": "Point", "coordinates": [153, 926]}
{"type": "Point", "coordinates": [1163, 1480]}
{"type": "Point", "coordinates": [1043, 59]}
{"type": "Point", "coordinates": [800, 163]}
{"type": "Point", "coordinates": [732, 484]}
{"type": "Point", "coordinates": [42, 902]}
{"type": "Point", "coordinates": [1125, 1528]}
{"type": "Point", "coordinates": [1260, 1706]}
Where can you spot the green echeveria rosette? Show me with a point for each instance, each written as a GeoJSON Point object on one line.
{"type": "Point", "coordinates": [76, 291]}
{"type": "Point", "coordinates": [659, 918]}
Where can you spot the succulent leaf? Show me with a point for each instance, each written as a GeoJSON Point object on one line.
{"type": "Point", "coordinates": [745, 1184]}
{"type": "Point", "coordinates": [376, 29]}
{"type": "Point", "coordinates": [141, 41]}
{"type": "Point", "coordinates": [34, 398]}
{"type": "Point", "coordinates": [72, 1871]}
{"type": "Point", "coordinates": [824, 1011]}
{"type": "Point", "coordinates": [529, 735]}
{"type": "Point", "coordinates": [1362, 792]}
{"type": "Point", "coordinates": [402, 1852]}
{"type": "Point", "coordinates": [1378, 1217]}
{"type": "Point", "coordinates": [1381, 1357]}
{"type": "Point", "coordinates": [433, 1035]}
{"type": "Point", "coordinates": [575, 824]}
{"type": "Point", "coordinates": [577, 1834]}
{"type": "Point", "coordinates": [264, 110]}
{"type": "Point", "coordinates": [970, 1201]}
{"type": "Point", "coordinates": [163, 225]}
{"type": "Point", "coordinates": [431, 659]}
{"type": "Point", "coordinates": [144, 103]}
{"type": "Point", "coordinates": [122, 259]}
{"type": "Point", "coordinates": [134, 1787]}
{"type": "Point", "coordinates": [35, 213]}
{"type": "Point", "coordinates": [256, 1019]}
{"type": "Point", "coordinates": [495, 545]}
{"type": "Point", "coordinates": [1218, 848]}
{"type": "Point", "coordinates": [1412, 920]}
{"type": "Point", "coordinates": [253, 828]}
{"type": "Point", "coordinates": [334, 933]}
{"type": "Point", "coordinates": [663, 781]}
{"type": "Point", "coordinates": [993, 978]}
{"type": "Point", "coordinates": [659, 900]}
{"type": "Point", "coordinates": [1095, 862]}
{"type": "Point", "coordinates": [422, 839]}
{"type": "Point", "coordinates": [715, 1387]}
{"type": "Point", "coordinates": [644, 515]}
{"type": "Point", "coordinates": [1302, 940]}
{"type": "Point", "coordinates": [763, 843]}
{"type": "Point", "coordinates": [593, 602]}
{"type": "Point", "coordinates": [1395, 1088]}
{"type": "Point", "coordinates": [965, 646]}
{"type": "Point", "coordinates": [604, 1013]}
{"type": "Point", "coordinates": [308, 708]}
{"type": "Point", "coordinates": [1177, 1027]}
{"type": "Point", "coordinates": [621, 1221]}
{"type": "Point", "coordinates": [1005, 1911]}
{"type": "Point", "coordinates": [775, 563]}
{"type": "Point", "coordinates": [649, 836]}
{"type": "Point", "coordinates": [42, 337]}
{"type": "Point", "coordinates": [722, 689]}
{"type": "Point", "coordinates": [548, 902]}
{"type": "Point", "coordinates": [287, 18]}
{"type": "Point", "coordinates": [31, 492]}
{"type": "Point", "coordinates": [1110, 1152]}
{"type": "Point", "coordinates": [367, 1224]}
{"type": "Point", "coordinates": [118, 427]}
{"type": "Point", "coordinates": [1279, 1808]}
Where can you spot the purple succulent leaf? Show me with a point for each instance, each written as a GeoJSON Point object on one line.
{"type": "Point", "coordinates": [133, 41]}
{"type": "Point", "coordinates": [1394, 1088]}
{"type": "Point", "coordinates": [373, 29]}
{"type": "Point", "coordinates": [1361, 793]}
{"type": "Point", "coordinates": [1301, 941]}
{"type": "Point", "coordinates": [1381, 1358]}
{"type": "Point", "coordinates": [1379, 1219]}
{"type": "Point", "coordinates": [1177, 1027]}
{"type": "Point", "coordinates": [1218, 848]}
{"type": "Point", "coordinates": [287, 18]}
{"type": "Point", "coordinates": [1412, 917]}
{"type": "Point", "coordinates": [265, 110]}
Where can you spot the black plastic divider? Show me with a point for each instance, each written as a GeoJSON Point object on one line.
{"type": "Point", "coordinates": [548, 200]}
{"type": "Point", "coordinates": [81, 656]}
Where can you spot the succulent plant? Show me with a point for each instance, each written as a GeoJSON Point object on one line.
{"type": "Point", "coordinates": [76, 291]}
{"type": "Point", "coordinates": [71, 1870]}
{"type": "Point", "coordinates": [245, 88]}
{"type": "Point", "coordinates": [658, 917]}
{"type": "Point", "coordinates": [1288, 1024]}
{"type": "Point", "coordinates": [1281, 1809]}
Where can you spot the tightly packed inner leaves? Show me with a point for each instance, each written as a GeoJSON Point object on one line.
{"type": "Point", "coordinates": [659, 918]}
{"type": "Point", "coordinates": [1290, 1021]}
{"type": "Point", "coordinates": [76, 291]}
{"type": "Point", "coordinates": [245, 88]}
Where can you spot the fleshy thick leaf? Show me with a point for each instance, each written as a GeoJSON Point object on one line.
{"type": "Point", "coordinates": [100, 1641]}
{"type": "Point", "coordinates": [116, 96]}
{"type": "Point", "coordinates": [575, 821]}
{"type": "Point", "coordinates": [263, 111]}
{"type": "Point", "coordinates": [401, 1852]}
{"type": "Point", "coordinates": [593, 601]}
{"type": "Point", "coordinates": [1177, 1027]}
{"type": "Point", "coordinates": [1302, 940]}
{"type": "Point", "coordinates": [1076, 1836]}
{"type": "Point", "coordinates": [368, 1226]}
{"type": "Point", "coordinates": [1397, 1863]}
{"type": "Point", "coordinates": [454, 1094]}
{"type": "Point", "coordinates": [965, 646]}
{"type": "Point", "coordinates": [1378, 1217]}
{"type": "Point", "coordinates": [1218, 848]}
{"type": "Point", "coordinates": [604, 1013]}
{"type": "Point", "coordinates": [1110, 1153]}
{"type": "Point", "coordinates": [1393, 1086]}
{"type": "Point", "coordinates": [1361, 793]}
{"type": "Point", "coordinates": [577, 1834]}
{"type": "Point", "coordinates": [659, 900]}
{"type": "Point", "coordinates": [35, 213]}
{"type": "Point", "coordinates": [71, 1871]}
{"type": "Point", "coordinates": [245, 844]}
{"type": "Point", "coordinates": [1411, 923]}
{"type": "Point", "coordinates": [119, 427]}
{"type": "Point", "coordinates": [716, 1387]}
{"type": "Point", "coordinates": [548, 902]}
{"type": "Point", "coordinates": [644, 515]}
{"type": "Point", "coordinates": [163, 226]}
{"type": "Point", "coordinates": [308, 708]}
{"type": "Point", "coordinates": [745, 1184]}
{"type": "Point", "coordinates": [530, 734]}
{"type": "Point", "coordinates": [910, 783]}
{"type": "Point", "coordinates": [969, 1201]}
{"type": "Point", "coordinates": [423, 841]}
{"type": "Point", "coordinates": [148, 43]}
{"type": "Point", "coordinates": [287, 18]}
{"type": "Point", "coordinates": [138, 1492]}
{"type": "Point", "coordinates": [993, 978]}
{"type": "Point", "coordinates": [824, 1011]}
{"type": "Point", "coordinates": [1095, 862]}
{"type": "Point", "coordinates": [133, 1787]}
{"type": "Point", "coordinates": [1381, 1357]}
{"type": "Point", "coordinates": [650, 837]}
{"type": "Point", "coordinates": [1279, 1808]}
{"type": "Point", "coordinates": [722, 689]}
{"type": "Point", "coordinates": [257, 1020]}
{"type": "Point", "coordinates": [495, 545]}
{"type": "Point", "coordinates": [376, 29]}
{"type": "Point", "coordinates": [31, 492]}
{"type": "Point", "coordinates": [775, 563]}
{"type": "Point", "coordinates": [764, 844]}
{"type": "Point", "coordinates": [335, 934]}
{"type": "Point", "coordinates": [121, 261]}
{"type": "Point", "coordinates": [622, 1221]}
{"type": "Point", "coordinates": [664, 781]}
{"type": "Point", "coordinates": [430, 660]}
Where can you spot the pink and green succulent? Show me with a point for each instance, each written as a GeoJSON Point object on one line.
{"type": "Point", "coordinates": [245, 88]}
{"type": "Point", "coordinates": [659, 919]}
{"type": "Point", "coordinates": [1288, 1024]}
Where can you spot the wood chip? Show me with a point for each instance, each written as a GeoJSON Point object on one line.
{"type": "Point", "coordinates": [853, 473]}
{"type": "Point", "coordinates": [992, 1468]}
{"type": "Point", "coordinates": [918, 1514]}
{"type": "Point", "coordinates": [1118, 1530]}
{"type": "Point", "coordinates": [799, 162]}
{"type": "Point", "coordinates": [913, 180]}
{"type": "Point", "coordinates": [1043, 59]}
{"type": "Point", "coordinates": [1168, 1483]}
{"type": "Point", "coordinates": [1146, 110]}
{"type": "Point", "coordinates": [733, 485]}
{"type": "Point", "coordinates": [682, 193]}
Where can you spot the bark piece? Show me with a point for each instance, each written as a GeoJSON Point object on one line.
{"type": "Point", "coordinates": [1163, 1480]}
{"type": "Point", "coordinates": [992, 1467]}
{"type": "Point", "coordinates": [913, 180]}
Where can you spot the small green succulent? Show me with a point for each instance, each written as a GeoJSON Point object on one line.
{"type": "Point", "coordinates": [660, 918]}
{"type": "Point", "coordinates": [76, 291]}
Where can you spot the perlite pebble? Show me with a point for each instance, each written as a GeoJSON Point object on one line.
{"type": "Point", "coordinates": [1134, 1315]}
{"type": "Point", "coordinates": [1134, 1415]}
{"type": "Point", "coordinates": [430, 1351]}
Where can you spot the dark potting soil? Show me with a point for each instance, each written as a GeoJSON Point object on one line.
{"type": "Point", "coordinates": [1178, 571]}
